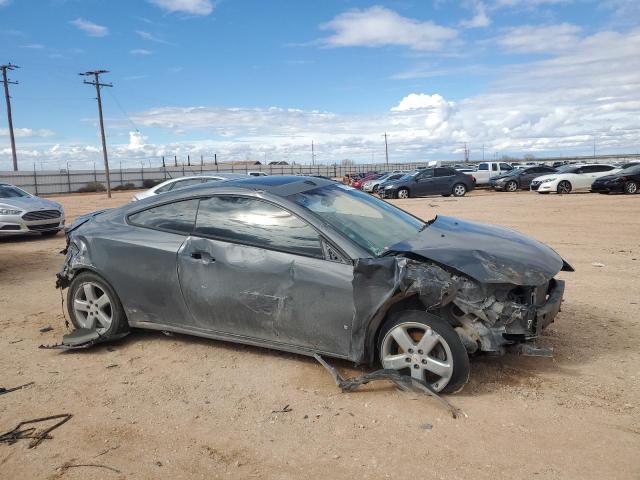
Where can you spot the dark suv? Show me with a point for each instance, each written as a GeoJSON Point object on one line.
{"type": "Point", "coordinates": [428, 181]}
{"type": "Point", "coordinates": [519, 178]}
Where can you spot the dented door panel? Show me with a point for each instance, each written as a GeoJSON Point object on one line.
{"type": "Point", "coordinates": [270, 295]}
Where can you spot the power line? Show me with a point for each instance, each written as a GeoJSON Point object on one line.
{"type": "Point", "coordinates": [96, 82]}
{"type": "Point", "coordinates": [7, 97]}
{"type": "Point", "coordinates": [123, 110]}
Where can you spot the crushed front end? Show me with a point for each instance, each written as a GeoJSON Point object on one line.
{"type": "Point", "coordinates": [494, 318]}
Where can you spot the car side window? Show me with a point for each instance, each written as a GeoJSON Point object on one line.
{"type": "Point", "coordinates": [426, 173]}
{"type": "Point", "coordinates": [505, 166]}
{"type": "Point", "coordinates": [176, 217]}
{"type": "Point", "coordinates": [166, 188]}
{"type": "Point", "coordinates": [444, 172]}
{"type": "Point", "coordinates": [186, 183]}
{"type": "Point", "coordinates": [601, 168]}
{"type": "Point", "coordinates": [483, 166]}
{"type": "Point", "coordinates": [494, 167]}
{"type": "Point", "coordinates": [255, 222]}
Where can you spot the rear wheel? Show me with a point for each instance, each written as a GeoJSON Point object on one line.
{"type": "Point", "coordinates": [564, 187]}
{"type": "Point", "coordinates": [631, 187]}
{"type": "Point", "coordinates": [425, 347]}
{"type": "Point", "coordinates": [403, 193]}
{"type": "Point", "coordinates": [511, 186]}
{"type": "Point", "coordinates": [459, 189]}
{"type": "Point", "coordinates": [93, 304]}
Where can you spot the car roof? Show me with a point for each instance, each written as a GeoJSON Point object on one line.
{"type": "Point", "coordinates": [281, 185]}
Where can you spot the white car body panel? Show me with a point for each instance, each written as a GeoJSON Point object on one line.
{"type": "Point", "coordinates": [156, 190]}
{"type": "Point", "coordinates": [578, 181]}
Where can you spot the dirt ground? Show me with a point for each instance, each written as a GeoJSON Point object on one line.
{"type": "Point", "coordinates": [153, 406]}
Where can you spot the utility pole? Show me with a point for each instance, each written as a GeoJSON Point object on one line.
{"type": "Point", "coordinates": [96, 82]}
{"type": "Point", "coordinates": [483, 152]}
{"type": "Point", "coordinates": [6, 82]}
{"type": "Point", "coordinates": [313, 154]}
{"type": "Point", "coordinates": [386, 149]}
{"type": "Point", "coordinates": [466, 153]}
{"type": "Point", "coordinates": [594, 146]}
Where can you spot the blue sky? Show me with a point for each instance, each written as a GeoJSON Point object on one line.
{"type": "Point", "coordinates": [262, 79]}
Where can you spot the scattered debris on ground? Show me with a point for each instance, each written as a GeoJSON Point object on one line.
{"type": "Point", "coordinates": [403, 382]}
{"type": "Point", "coordinates": [285, 409]}
{"type": "Point", "coordinates": [4, 390]}
{"type": "Point", "coordinates": [62, 469]}
{"type": "Point", "coordinates": [32, 433]}
{"type": "Point", "coordinates": [46, 329]}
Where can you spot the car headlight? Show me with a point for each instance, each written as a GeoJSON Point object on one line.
{"type": "Point", "coordinates": [9, 211]}
{"type": "Point", "coordinates": [547, 180]}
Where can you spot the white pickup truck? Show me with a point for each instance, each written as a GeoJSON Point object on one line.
{"type": "Point", "coordinates": [486, 170]}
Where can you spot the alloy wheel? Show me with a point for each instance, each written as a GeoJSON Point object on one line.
{"type": "Point", "coordinates": [92, 307]}
{"type": "Point", "coordinates": [511, 186]}
{"type": "Point", "coordinates": [417, 348]}
{"type": "Point", "coordinates": [631, 187]}
{"type": "Point", "coordinates": [564, 187]}
{"type": "Point", "coordinates": [403, 193]}
{"type": "Point", "coordinates": [459, 190]}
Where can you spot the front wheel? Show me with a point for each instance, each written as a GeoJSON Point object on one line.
{"type": "Point", "coordinates": [511, 186]}
{"type": "Point", "coordinates": [403, 193]}
{"type": "Point", "coordinates": [424, 346]}
{"type": "Point", "coordinates": [564, 187]}
{"type": "Point", "coordinates": [93, 304]}
{"type": "Point", "coordinates": [631, 187]}
{"type": "Point", "coordinates": [459, 189]}
{"type": "Point", "coordinates": [375, 189]}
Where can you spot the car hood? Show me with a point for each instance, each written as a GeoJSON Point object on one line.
{"type": "Point", "coordinates": [486, 253]}
{"type": "Point", "coordinates": [549, 175]}
{"type": "Point", "coordinates": [31, 203]}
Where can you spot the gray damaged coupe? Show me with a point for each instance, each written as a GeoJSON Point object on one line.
{"type": "Point", "coordinates": [310, 266]}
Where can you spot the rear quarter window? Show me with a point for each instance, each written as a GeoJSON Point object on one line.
{"type": "Point", "coordinates": [176, 217]}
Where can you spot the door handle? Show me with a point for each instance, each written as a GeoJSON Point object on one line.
{"type": "Point", "coordinates": [204, 256]}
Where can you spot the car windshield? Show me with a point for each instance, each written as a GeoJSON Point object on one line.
{"type": "Point", "coordinates": [371, 223]}
{"type": "Point", "coordinates": [410, 175]}
{"type": "Point", "coordinates": [8, 191]}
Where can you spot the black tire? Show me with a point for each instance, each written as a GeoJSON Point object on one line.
{"type": "Point", "coordinates": [446, 194]}
{"type": "Point", "coordinates": [543, 193]}
{"type": "Point", "coordinates": [375, 189]}
{"type": "Point", "coordinates": [408, 194]}
{"type": "Point", "coordinates": [50, 233]}
{"type": "Point", "coordinates": [459, 357]}
{"type": "Point", "coordinates": [511, 186]}
{"type": "Point", "coordinates": [564, 187]}
{"type": "Point", "coordinates": [119, 323]}
{"type": "Point", "coordinates": [631, 187]}
{"type": "Point", "coordinates": [459, 190]}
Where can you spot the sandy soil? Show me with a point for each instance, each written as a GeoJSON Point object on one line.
{"type": "Point", "coordinates": [153, 406]}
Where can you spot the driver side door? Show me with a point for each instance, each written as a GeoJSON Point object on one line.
{"type": "Point", "coordinates": [255, 271]}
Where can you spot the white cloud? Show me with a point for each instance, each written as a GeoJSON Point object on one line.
{"type": "Point", "coordinates": [526, 3]}
{"type": "Point", "coordinates": [540, 38]}
{"type": "Point", "coordinates": [480, 18]}
{"type": "Point", "coordinates": [193, 7]}
{"type": "Point", "coordinates": [4, 3]}
{"type": "Point", "coordinates": [140, 51]}
{"type": "Point", "coordinates": [378, 26]}
{"type": "Point", "coordinates": [27, 132]}
{"type": "Point", "coordinates": [150, 36]}
{"type": "Point", "coordinates": [545, 107]}
{"type": "Point", "coordinates": [90, 28]}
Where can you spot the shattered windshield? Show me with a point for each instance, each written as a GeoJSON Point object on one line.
{"type": "Point", "coordinates": [371, 223]}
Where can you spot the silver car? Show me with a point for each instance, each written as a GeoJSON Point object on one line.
{"type": "Point", "coordinates": [22, 213]}
{"type": "Point", "coordinates": [311, 266]}
{"type": "Point", "coordinates": [181, 182]}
